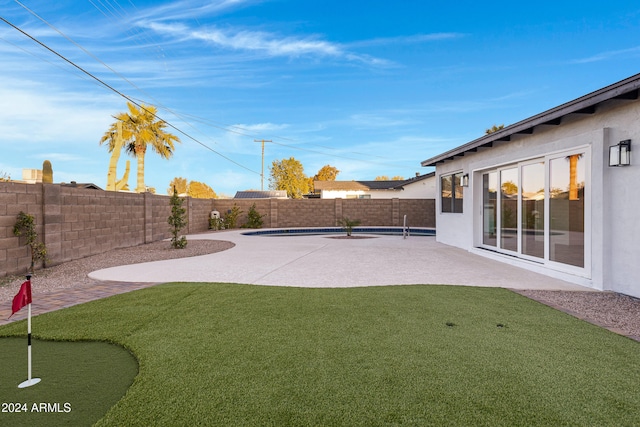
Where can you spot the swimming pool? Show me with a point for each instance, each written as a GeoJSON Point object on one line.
{"type": "Point", "coordinates": [394, 231]}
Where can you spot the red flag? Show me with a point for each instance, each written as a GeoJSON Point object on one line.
{"type": "Point", "coordinates": [22, 298]}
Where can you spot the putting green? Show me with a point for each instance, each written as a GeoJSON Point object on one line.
{"type": "Point", "coordinates": [73, 375]}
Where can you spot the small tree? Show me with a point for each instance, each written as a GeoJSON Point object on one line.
{"type": "Point", "coordinates": [26, 224]}
{"type": "Point", "coordinates": [177, 221]}
{"type": "Point", "coordinates": [254, 219]}
{"type": "Point", "coordinates": [288, 174]}
{"type": "Point", "coordinates": [493, 129]}
{"type": "Point", "coordinates": [348, 224]}
{"type": "Point", "coordinates": [231, 219]}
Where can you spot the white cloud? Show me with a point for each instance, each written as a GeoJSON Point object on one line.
{"type": "Point", "coordinates": [190, 9]}
{"type": "Point", "coordinates": [33, 114]}
{"type": "Point", "coordinates": [604, 56]}
{"type": "Point", "coordinates": [263, 42]}
{"type": "Point", "coordinates": [260, 127]}
{"type": "Point", "coordinates": [414, 39]}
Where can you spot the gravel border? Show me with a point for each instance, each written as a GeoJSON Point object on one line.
{"type": "Point", "coordinates": [74, 274]}
{"type": "Point", "coordinates": [616, 312]}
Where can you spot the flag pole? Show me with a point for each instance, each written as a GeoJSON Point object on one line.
{"type": "Point", "coordinates": [30, 381]}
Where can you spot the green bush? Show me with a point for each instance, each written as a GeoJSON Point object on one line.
{"type": "Point", "coordinates": [25, 223]}
{"type": "Point", "coordinates": [216, 224]}
{"type": "Point", "coordinates": [348, 224]}
{"type": "Point", "coordinates": [254, 219]}
{"type": "Point", "coordinates": [231, 219]}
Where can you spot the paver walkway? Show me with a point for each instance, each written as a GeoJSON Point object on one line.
{"type": "Point", "coordinates": [63, 298]}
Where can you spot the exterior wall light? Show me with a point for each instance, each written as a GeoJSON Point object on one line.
{"type": "Point", "coordinates": [465, 180]}
{"type": "Point", "coordinates": [620, 155]}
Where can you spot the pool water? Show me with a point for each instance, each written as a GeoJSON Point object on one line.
{"type": "Point", "coordinates": [394, 231]}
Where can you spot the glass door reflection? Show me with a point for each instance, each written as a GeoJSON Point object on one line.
{"type": "Point", "coordinates": [490, 212]}
{"type": "Point", "coordinates": [532, 209]}
{"type": "Point", "coordinates": [566, 210]}
{"type": "Point", "coordinates": [509, 209]}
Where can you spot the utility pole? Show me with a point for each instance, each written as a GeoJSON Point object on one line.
{"type": "Point", "coordinates": [262, 171]}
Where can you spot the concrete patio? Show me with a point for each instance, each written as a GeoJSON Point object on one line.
{"type": "Point", "coordinates": [324, 261]}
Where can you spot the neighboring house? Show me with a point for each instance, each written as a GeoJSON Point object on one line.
{"type": "Point", "coordinates": [258, 194]}
{"type": "Point", "coordinates": [31, 176]}
{"type": "Point", "coordinates": [541, 193]}
{"type": "Point", "coordinates": [86, 185]}
{"type": "Point", "coordinates": [34, 176]}
{"type": "Point", "coordinates": [419, 187]}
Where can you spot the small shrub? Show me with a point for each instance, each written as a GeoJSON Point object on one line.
{"type": "Point", "coordinates": [348, 224]}
{"type": "Point", "coordinates": [25, 223]}
{"type": "Point", "coordinates": [177, 221]}
{"type": "Point", "coordinates": [231, 220]}
{"type": "Point", "coordinates": [254, 219]}
{"type": "Point", "coordinates": [216, 224]}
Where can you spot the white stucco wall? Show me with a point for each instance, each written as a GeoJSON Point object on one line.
{"type": "Point", "coordinates": [341, 194]}
{"type": "Point", "coordinates": [423, 189]}
{"type": "Point", "coordinates": [613, 193]}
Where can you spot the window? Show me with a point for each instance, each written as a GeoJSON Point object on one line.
{"type": "Point", "coordinates": [451, 193]}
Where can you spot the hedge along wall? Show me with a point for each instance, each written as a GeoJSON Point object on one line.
{"type": "Point", "coordinates": [75, 223]}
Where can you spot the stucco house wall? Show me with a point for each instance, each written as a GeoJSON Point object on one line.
{"type": "Point", "coordinates": [420, 187]}
{"type": "Point", "coordinates": [612, 194]}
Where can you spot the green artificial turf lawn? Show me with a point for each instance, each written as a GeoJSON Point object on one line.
{"type": "Point", "coordinates": [80, 381]}
{"type": "Point", "coordinates": [228, 354]}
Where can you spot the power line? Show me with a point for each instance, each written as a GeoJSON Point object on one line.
{"type": "Point", "coordinates": [156, 102]}
{"type": "Point", "coordinates": [122, 94]}
{"type": "Point", "coordinates": [225, 127]}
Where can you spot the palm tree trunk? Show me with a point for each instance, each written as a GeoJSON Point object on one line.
{"type": "Point", "coordinates": [140, 187]}
{"type": "Point", "coordinates": [113, 162]}
{"type": "Point", "coordinates": [573, 177]}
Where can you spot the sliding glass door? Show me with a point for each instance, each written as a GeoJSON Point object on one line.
{"type": "Point", "coordinates": [535, 209]}
{"type": "Point", "coordinates": [566, 210]}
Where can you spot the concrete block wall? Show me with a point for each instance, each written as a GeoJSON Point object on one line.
{"type": "Point", "coordinates": [199, 210]}
{"type": "Point", "coordinates": [371, 211]}
{"type": "Point", "coordinates": [16, 197]}
{"type": "Point", "coordinates": [75, 222]}
{"type": "Point", "coordinates": [419, 212]}
{"type": "Point", "coordinates": [160, 213]}
{"type": "Point", "coordinates": [307, 213]}
{"type": "Point", "coordinates": [90, 222]}
{"type": "Point", "coordinates": [281, 213]}
{"type": "Point", "coordinates": [263, 207]}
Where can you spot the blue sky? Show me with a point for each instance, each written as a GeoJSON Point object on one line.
{"type": "Point", "coordinates": [371, 88]}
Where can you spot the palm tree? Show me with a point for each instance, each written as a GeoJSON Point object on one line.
{"type": "Point", "coordinates": [493, 129]}
{"type": "Point", "coordinates": [140, 128]}
{"type": "Point", "coordinates": [116, 141]}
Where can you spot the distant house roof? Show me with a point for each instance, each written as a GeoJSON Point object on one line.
{"type": "Point", "coordinates": [256, 194]}
{"type": "Point", "coordinates": [88, 185]}
{"type": "Point", "coordinates": [367, 185]}
{"type": "Point", "coordinates": [627, 89]}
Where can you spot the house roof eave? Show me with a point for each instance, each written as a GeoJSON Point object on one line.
{"type": "Point", "coordinates": [625, 89]}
